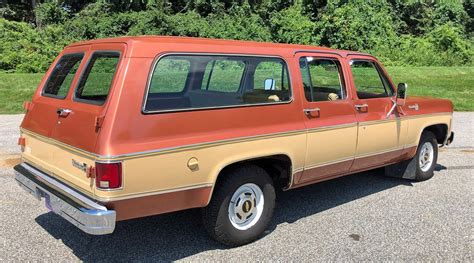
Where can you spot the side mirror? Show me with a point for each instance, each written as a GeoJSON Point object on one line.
{"type": "Point", "coordinates": [269, 84]}
{"type": "Point", "coordinates": [401, 94]}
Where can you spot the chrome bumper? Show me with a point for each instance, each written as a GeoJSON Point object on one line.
{"type": "Point", "coordinates": [83, 212]}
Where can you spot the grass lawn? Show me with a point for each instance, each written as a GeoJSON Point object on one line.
{"type": "Point", "coordinates": [454, 83]}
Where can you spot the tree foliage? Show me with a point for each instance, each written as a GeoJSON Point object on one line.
{"type": "Point", "coordinates": [400, 32]}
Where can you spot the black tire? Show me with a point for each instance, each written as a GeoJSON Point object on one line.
{"type": "Point", "coordinates": [426, 137]}
{"type": "Point", "coordinates": [216, 215]}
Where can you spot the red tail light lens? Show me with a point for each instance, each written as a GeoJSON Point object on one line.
{"type": "Point", "coordinates": [108, 175]}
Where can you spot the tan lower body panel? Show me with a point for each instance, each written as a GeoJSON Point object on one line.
{"type": "Point", "coordinates": [166, 171]}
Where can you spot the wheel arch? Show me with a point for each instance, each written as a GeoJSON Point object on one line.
{"type": "Point", "coordinates": [278, 165]}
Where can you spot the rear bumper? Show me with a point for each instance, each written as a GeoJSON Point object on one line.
{"type": "Point", "coordinates": [82, 211]}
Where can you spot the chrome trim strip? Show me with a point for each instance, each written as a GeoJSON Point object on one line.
{"type": "Point", "coordinates": [165, 54]}
{"type": "Point", "coordinates": [204, 144]}
{"type": "Point", "coordinates": [330, 163]}
{"type": "Point", "coordinates": [333, 127]}
{"type": "Point", "coordinates": [151, 193]}
{"type": "Point", "coordinates": [379, 152]}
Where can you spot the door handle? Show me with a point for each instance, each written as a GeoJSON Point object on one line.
{"type": "Point", "coordinates": [63, 112]}
{"type": "Point", "coordinates": [414, 107]}
{"type": "Point", "coordinates": [360, 107]}
{"type": "Point", "coordinates": [309, 112]}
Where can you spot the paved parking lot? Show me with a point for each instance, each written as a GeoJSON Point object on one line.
{"type": "Point", "coordinates": [359, 217]}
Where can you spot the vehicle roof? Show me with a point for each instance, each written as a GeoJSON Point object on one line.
{"type": "Point", "coordinates": [139, 45]}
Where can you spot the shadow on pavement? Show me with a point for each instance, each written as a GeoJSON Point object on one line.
{"type": "Point", "coordinates": [179, 235]}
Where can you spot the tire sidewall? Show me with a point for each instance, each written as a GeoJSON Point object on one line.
{"type": "Point", "coordinates": [420, 174]}
{"type": "Point", "coordinates": [245, 236]}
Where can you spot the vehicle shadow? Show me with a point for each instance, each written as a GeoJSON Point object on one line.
{"type": "Point", "coordinates": [179, 235]}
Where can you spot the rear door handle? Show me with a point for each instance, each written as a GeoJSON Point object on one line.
{"type": "Point", "coordinates": [414, 107]}
{"type": "Point", "coordinates": [360, 107]}
{"type": "Point", "coordinates": [63, 112]}
{"type": "Point", "coordinates": [309, 112]}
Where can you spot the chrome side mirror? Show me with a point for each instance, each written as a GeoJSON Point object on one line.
{"type": "Point", "coordinates": [401, 94]}
{"type": "Point", "coordinates": [399, 100]}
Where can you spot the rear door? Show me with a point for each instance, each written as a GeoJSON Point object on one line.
{"type": "Point", "coordinates": [64, 111]}
{"type": "Point", "coordinates": [86, 105]}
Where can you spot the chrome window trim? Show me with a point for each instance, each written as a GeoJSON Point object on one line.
{"type": "Point", "coordinates": [381, 73]}
{"type": "Point", "coordinates": [342, 83]}
{"type": "Point", "coordinates": [164, 54]}
{"type": "Point", "coordinates": [89, 59]}
{"type": "Point", "coordinates": [47, 95]}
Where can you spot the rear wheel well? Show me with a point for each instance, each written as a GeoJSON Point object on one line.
{"type": "Point", "coordinates": [277, 166]}
{"type": "Point", "coordinates": [439, 130]}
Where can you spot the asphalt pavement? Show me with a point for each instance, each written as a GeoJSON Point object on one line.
{"type": "Point", "coordinates": [361, 217]}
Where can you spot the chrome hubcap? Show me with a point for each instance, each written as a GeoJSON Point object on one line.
{"type": "Point", "coordinates": [426, 156]}
{"type": "Point", "coordinates": [246, 206]}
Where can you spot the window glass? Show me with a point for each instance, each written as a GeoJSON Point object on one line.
{"type": "Point", "coordinates": [62, 75]}
{"type": "Point", "coordinates": [223, 75]}
{"type": "Point", "coordinates": [368, 81]}
{"type": "Point", "coordinates": [270, 70]}
{"type": "Point", "coordinates": [206, 81]}
{"type": "Point", "coordinates": [321, 79]}
{"type": "Point", "coordinates": [170, 75]}
{"type": "Point", "coordinates": [95, 83]}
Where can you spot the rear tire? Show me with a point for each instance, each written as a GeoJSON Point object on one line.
{"type": "Point", "coordinates": [426, 156]}
{"type": "Point", "coordinates": [241, 206]}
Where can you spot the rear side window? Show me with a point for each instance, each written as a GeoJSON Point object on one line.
{"type": "Point", "coordinates": [322, 79]}
{"type": "Point", "coordinates": [62, 75]}
{"type": "Point", "coordinates": [97, 78]}
{"type": "Point", "coordinates": [183, 82]}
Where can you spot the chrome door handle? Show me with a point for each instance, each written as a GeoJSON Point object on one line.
{"type": "Point", "coordinates": [414, 107]}
{"type": "Point", "coordinates": [361, 106]}
{"type": "Point", "coordinates": [63, 112]}
{"type": "Point", "coordinates": [308, 112]}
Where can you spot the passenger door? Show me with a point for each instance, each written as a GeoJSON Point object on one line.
{"type": "Point", "coordinates": [329, 117]}
{"type": "Point", "coordinates": [380, 133]}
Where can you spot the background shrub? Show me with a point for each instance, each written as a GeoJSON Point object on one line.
{"type": "Point", "coordinates": [399, 32]}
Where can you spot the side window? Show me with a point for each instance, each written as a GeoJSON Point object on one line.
{"type": "Point", "coordinates": [96, 80]}
{"type": "Point", "coordinates": [322, 79]}
{"type": "Point", "coordinates": [184, 82]}
{"type": "Point", "coordinates": [368, 80]}
{"type": "Point", "coordinates": [270, 70]}
{"type": "Point", "coordinates": [170, 75]}
{"type": "Point", "coordinates": [62, 75]}
{"type": "Point", "coordinates": [223, 75]}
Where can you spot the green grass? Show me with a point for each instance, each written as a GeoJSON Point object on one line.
{"type": "Point", "coordinates": [454, 83]}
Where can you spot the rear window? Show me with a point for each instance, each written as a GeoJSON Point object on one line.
{"type": "Point", "coordinates": [60, 79]}
{"type": "Point", "coordinates": [184, 82]}
{"type": "Point", "coordinates": [97, 78]}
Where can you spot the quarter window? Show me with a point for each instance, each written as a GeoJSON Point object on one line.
{"type": "Point", "coordinates": [207, 81]}
{"type": "Point", "coordinates": [96, 80]}
{"type": "Point", "coordinates": [62, 75]}
{"type": "Point", "coordinates": [321, 79]}
{"type": "Point", "coordinates": [368, 81]}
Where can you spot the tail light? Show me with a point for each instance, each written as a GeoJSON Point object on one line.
{"type": "Point", "coordinates": [108, 175]}
{"type": "Point", "coordinates": [22, 143]}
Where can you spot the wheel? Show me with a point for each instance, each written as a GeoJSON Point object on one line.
{"type": "Point", "coordinates": [421, 166]}
{"type": "Point", "coordinates": [241, 206]}
{"type": "Point", "coordinates": [426, 156]}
